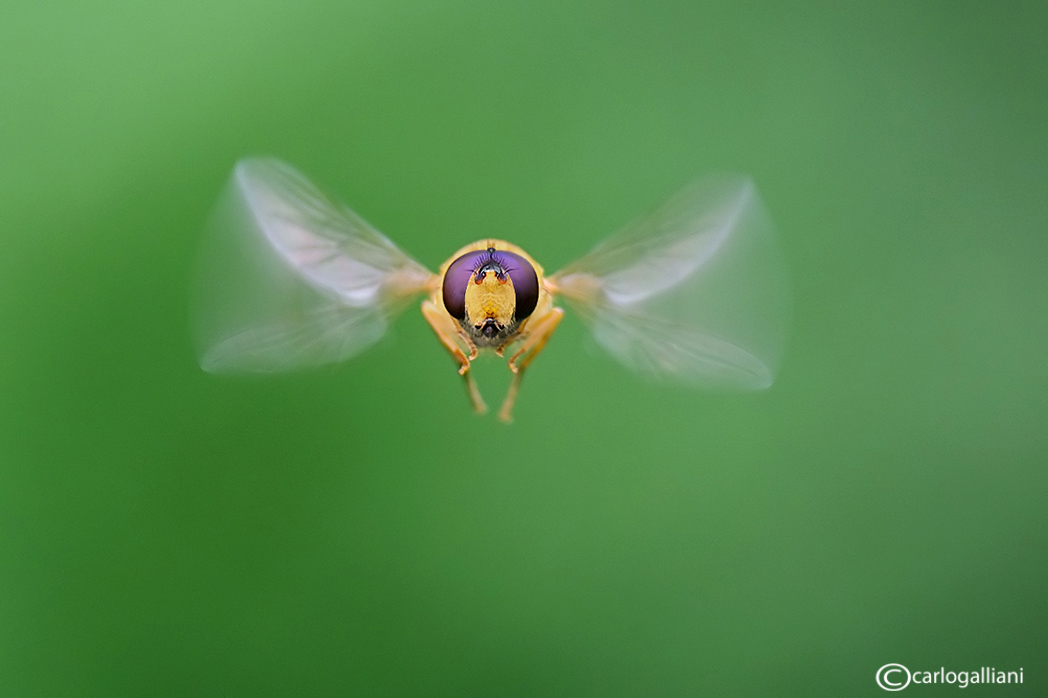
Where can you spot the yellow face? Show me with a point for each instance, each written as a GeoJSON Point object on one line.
{"type": "Point", "coordinates": [490, 301]}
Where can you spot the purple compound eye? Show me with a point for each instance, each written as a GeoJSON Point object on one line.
{"type": "Point", "coordinates": [474, 265]}
{"type": "Point", "coordinates": [525, 283]}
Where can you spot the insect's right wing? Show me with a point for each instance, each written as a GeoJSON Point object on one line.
{"type": "Point", "coordinates": [696, 292]}
{"type": "Point", "coordinates": [290, 278]}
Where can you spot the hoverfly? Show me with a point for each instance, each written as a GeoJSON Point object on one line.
{"type": "Point", "coordinates": [695, 292]}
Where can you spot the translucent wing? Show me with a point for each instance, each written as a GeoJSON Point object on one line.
{"type": "Point", "coordinates": [290, 278]}
{"type": "Point", "coordinates": [697, 291]}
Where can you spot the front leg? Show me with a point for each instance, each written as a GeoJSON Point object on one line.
{"type": "Point", "coordinates": [538, 332]}
{"type": "Point", "coordinates": [448, 331]}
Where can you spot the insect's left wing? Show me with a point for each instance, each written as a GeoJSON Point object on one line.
{"type": "Point", "coordinates": [697, 291]}
{"type": "Point", "coordinates": [290, 278]}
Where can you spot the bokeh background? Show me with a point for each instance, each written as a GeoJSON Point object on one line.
{"type": "Point", "coordinates": [356, 530]}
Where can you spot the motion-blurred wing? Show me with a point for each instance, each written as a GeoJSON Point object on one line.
{"type": "Point", "coordinates": [697, 291]}
{"type": "Point", "coordinates": [291, 278]}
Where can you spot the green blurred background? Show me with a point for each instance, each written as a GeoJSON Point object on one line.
{"type": "Point", "coordinates": [356, 530]}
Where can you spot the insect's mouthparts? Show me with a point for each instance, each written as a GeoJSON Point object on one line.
{"type": "Point", "coordinates": [490, 328]}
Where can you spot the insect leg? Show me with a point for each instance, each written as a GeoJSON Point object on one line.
{"type": "Point", "coordinates": [447, 332]}
{"type": "Point", "coordinates": [533, 343]}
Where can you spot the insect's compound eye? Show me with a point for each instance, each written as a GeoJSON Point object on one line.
{"type": "Point", "coordinates": [525, 283]}
{"type": "Point", "coordinates": [457, 277]}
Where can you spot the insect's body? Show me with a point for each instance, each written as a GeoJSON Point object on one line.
{"type": "Point", "coordinates": [492, 294]}
{"type": "Point", "coordinates": [303, 280]}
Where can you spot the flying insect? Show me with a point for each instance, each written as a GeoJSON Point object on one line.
{"type": "Point", "coordinates": [695, 293]}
